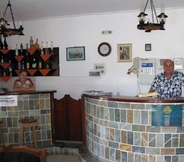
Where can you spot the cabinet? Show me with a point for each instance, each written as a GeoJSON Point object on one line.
{"type": "Point", "coordinates": [31, 59]}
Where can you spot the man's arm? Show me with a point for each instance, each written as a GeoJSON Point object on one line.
{"type": "Point", "coordinates": [151, 90]}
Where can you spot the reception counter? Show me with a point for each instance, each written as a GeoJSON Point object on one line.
{"type": "Point", "coordinates": [30, 104]}
{"type": "Point", "coordinates": [133, 129]}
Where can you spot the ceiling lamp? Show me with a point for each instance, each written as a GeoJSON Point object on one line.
{"type": "Point", "coordinates": [155, 24]}
{"type": "Point", "coordinates": [5, 30]}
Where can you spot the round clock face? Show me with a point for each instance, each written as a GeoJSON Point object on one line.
{"type": "Point", "coordinates": [104, 49]}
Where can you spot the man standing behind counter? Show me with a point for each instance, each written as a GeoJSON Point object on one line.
{"type": "Point", "coordinates": [168, 84]}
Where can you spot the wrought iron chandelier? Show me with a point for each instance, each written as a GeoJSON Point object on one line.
{"type": "Point", "coordinates": [147, 25]}
{"type": "Point", "coordinates": [5, 30]}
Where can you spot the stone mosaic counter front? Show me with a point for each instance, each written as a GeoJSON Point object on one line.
{"type": "Point", "coordinates": [119, 129]}
{"type": "Point", "coordinates": [29, 105]}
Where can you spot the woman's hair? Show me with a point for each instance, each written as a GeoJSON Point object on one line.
{"type": "Point", "coordinates": [23, 71]}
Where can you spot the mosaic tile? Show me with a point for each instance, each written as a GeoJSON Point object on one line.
{"type": "Point", "coordinates": [137, 137]}
{"type": "Point", "coordinates": [117, 115]}
{"type": "Point", "coordinates": [123, 116]}
{"type": "Point", "coordinates": [129, 157]}
{"type": "Point", "coordinates": [124, 105]}
{"type": "Point", "coordinates": [181, 140]}
{"type": "Point", "coordinates": [138, 149]}
{"type": "Point", "coordinates": [125, 147]}
{"type": "Point", "coordinates": [137, 117]}
{"type": "Point", "coordinates": [139, 128]}
{"type": "Point", "coordinates": [137, 157]}
{"type": "Point", "coordinates": [144, 117]}
{"type": "Point", "coordinates": [168, 158]}
{"type": "Point", "coordinates": [129, 116]}
{"type": "Point", "coordinates": [167, 151]}
{"type": "Point", "coordinates": [112, 104]}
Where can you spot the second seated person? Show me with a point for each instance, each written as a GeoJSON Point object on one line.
{"type": "Point", "coordinates": [23, 83]}
{"type": "Point", "coordinates": [168, 84]}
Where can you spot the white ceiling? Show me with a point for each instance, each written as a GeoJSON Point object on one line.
{"type": "Point", "coordinates": [39, 9]}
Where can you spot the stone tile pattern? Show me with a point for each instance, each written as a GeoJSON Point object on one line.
{"type": "Point", "coordinates": [29, 106]}
{"type": "Point", "coordinates": [122, 132]}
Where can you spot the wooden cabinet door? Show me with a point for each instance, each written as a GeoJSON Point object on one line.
{"type": "Point", "coordinates": [67, 119]}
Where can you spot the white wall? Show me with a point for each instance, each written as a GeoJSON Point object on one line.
{"type": "Point", "coordinates": [86, 31]}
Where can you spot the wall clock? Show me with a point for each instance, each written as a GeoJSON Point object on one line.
{"type": "Point", "coordinates": [104, 49]}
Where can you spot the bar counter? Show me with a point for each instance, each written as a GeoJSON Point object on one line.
{"type": "Point", "coordinates": [27, 104]}
{"type": "Point", "coordinates": [121, 128]}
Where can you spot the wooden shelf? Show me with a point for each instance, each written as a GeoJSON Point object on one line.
{"type": "Point", "coordinates": [44, 72]}
{"type": "Point", "coordinates": [5, 78]}
{"type": "Point", "coordinates": [45, 57]}
{"type": "Point", "coordinates": [19, 58]}
{"type": "Point", "coordinates": [32, 71]}
{"type": "Point", "coordinates": [31, 50]}
{"type": "Point", "coordinates": [4, 51]}
{"type": "Point", "coordinates": [5, 65]}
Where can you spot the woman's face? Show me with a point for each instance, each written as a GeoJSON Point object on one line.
{"type": "Point", "coordinates": [23, 76]}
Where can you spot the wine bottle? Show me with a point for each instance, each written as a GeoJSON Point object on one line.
{"type": "Point", "coordinates": [34, 66]}
{"type": "Point", "coordinates": [40, 64]}
{"type": "Point", "coordinates": [1, 43]}
{"type": "Point", "coordinates": [21, 49]}
{"type": "Point", "coordinates": [42, 52]}
{"type": "Point", "coordinates": [46, 49]}
{"type": "Point", "coordinates": [16, 50]}
{"type": "Point", "coordinates": [22, 65]}
{"type": "Point", "coordinates": [31, 41]}
{"type": "Point", "coordinates": [5, 43]}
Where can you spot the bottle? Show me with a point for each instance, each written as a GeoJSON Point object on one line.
{"type": "Point", "coordinates": [31, 41]}
{"type": "Point", "coordinates": [19, 65]}
{"type": "Point", "coordinates": [40, 64]}
{"type": "Point", "coordinates": [1, 43]}
{"type": "Point", "coordinates": [22, 65]}
{"type": "Point", "coordinates": [34, 64]}
{"type": "Point", "coordinates": [21, 49]}
{"type": "Point", "coordinates": [5, 43]}
{"type": "Point", "coordinates": [46, 49]}
{"type": "Point", "coordinates": [42, 53]}
{"type": "Point", "coordinates": [27, 63]}
{"type": "Point", "coordinates": [16, 50]}
{"type": "Point", "coordinates": [51, 47]}
{"type": "Point", "coordinates": [2, 59]}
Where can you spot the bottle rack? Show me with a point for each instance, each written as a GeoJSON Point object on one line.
{"type": "Point", "coordinates": [45, 64]}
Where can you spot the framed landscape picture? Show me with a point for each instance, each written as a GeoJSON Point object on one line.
{"type": "Point", "coordinates": [75, 53]}
{"type": "Point", "coordinates": [124, 52]}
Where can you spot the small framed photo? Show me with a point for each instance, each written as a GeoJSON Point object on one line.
{"type": "Point", "coordinates": [124, 52]}
{"type": "Point", "coordinates": [100, 67]}
{"type": "Point", "coordinates": [94, 73]}
{"type": "Point", "coordinates": [147, 47]}
{"type": "Point", "coordinates": [75, 53]}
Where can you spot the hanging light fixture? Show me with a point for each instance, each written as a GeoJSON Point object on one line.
{"type": "Point", "coordinates": [5, 30]}
{"type": "Point", "coordinates": [155, 24]}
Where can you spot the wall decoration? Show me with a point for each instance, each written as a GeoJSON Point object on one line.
{"type": "Point", "coordinates": [124, 52]}
{"type": "Point", "coordinates": [94, 73]}
{"type": "Point", "coordinates": [147, 47]}
{"type": "Point", "coordinates": [75, 53]}
{"type": "Point", "coordinates": [100, 67]}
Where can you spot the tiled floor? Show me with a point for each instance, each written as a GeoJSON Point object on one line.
{"type": "Point", "coordinates": [83, 151]}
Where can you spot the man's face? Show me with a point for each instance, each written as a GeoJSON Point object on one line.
{"type": "Point", "coordinates": [168, 67]}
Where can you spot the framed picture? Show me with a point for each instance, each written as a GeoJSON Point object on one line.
{"type": "Point", "coordinates": [100, 67]}
{"type": "Point", "coordinates": [124, 52]}
{"type": "Point", "coordinates": [147, 47]}
{"type": "Point", "coordinates": [94, 73]}
{"type": "Point", "coordinates": [75, 53]}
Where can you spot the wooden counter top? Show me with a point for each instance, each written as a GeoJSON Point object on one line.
{"type": "Point", "coordinates": [26, 92]}
{"type": "Point", "coordinates": [137, 99]}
